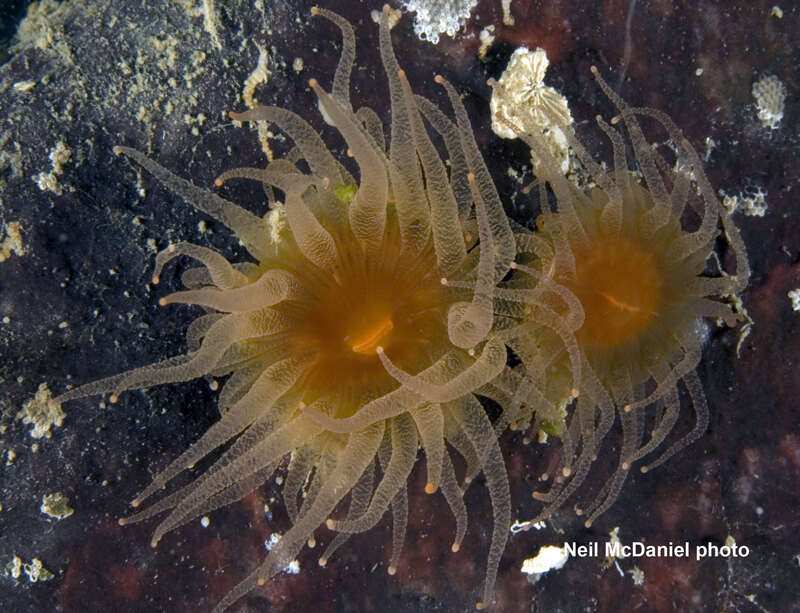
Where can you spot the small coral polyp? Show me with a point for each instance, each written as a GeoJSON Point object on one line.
{"type": "Point", "coordinates": [361, 332]}
{"type": "Point", "coordinates": [606, 302]}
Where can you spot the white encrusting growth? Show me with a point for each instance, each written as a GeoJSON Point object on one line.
{"type": "Point", "coordinates": [436, 17]}
{"type": "Point", "coordinates": [521, 102]}
{"type": "Point", "coordinates": [770, 96]}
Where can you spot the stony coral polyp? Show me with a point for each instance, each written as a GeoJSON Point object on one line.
{"type": "Point", "coordinates": [360, 333]}
{"type": "Point", "coordinates": [607, 301]}
{"type": "Point", "coordinates": [378, 308]}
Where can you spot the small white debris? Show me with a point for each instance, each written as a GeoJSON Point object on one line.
{"type": "Point", "coordinates": [394, 17]}
{"type": "Point", "coordinates": [204, 521]}
{"type": "Point", "coordinates": [508, 18]}
{"type": "Point", "coordinates": [711, 144]}
{"type": "Point", "coordinates": [56, 506]}
{"type": "Point", "coordinates": [294, 566]}
{"type": "Point", "coordinates": [487, 39]}
{"type": "Point", "coordinates": [47, 182]}
{"type": "Point", "coordinates": [40, 413]}
{"type": "Point", "coordinates": [637, 574]}
{"type": "Point", "coordinates": [753, 204]}
{"type": "Point", "coordinates": [36, 571]}
{"type": "Point", "coordinates": [297, 65]}
{"type": "Point", "coordinates": [12, 243]}
{"type": "Point", "coordinates": [276, 223]}
{"type": "Point", "coordinates": [770, 95]}
{"type": "Point", "coordinates": [794, 296]}
{"type": "Point", "coordinates": [272, 540]}
{"type": "Point", "coordinates": [524, 526]}
{"type": "Point", "coordinates": [614, 542]}
{"type": "Point", "coordinates": [59, 155]}
{"type": "Point", "coordinates": [14, 568]}
{"type": "Point", "coordinates": [777, 12]}
{"type": "Point", "coordinates": [549, 558]}
{"type": "Point", "coordinates": [24, 86]}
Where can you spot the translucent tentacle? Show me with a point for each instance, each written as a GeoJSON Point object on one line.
{"type": "Point", "coordinates": [222, 273]}
{"type": "Point", "coordinates": [199, 327]}
{"type": "Point", "coordinates": [315, 152]}
{"type": "Point", "coordinates": [357, 455]}
{"type": "Point", "coordinates": [458, 163]}
{"type": "Point", "coordinates": [373, 125]}
{"type": "Point", "coordinates": [272, 287]}
{"type": "Point", "coordinates": [368, 206]}
{"type": "Point", "coordinates": [314, 241]}
{"type": "Point", "coordinates": [395, 402]}
{"type": "Point", "coordinates": [498, 221]}
{"type": "Point", "coordinates": [249, 228]}
{"type": "Point", "coordinates": [271, 385]}
{"type": "Point", "coordinates": [477, 427]}
{"type": "Point", "coordinates": [454, 497]}
{"type": "Point", "coordinates": [406, 178]}
{"type": "Point", "coordinates": [485, 368]}
{"type": "Point", "coordinates": [301, 464]}
{"type": "Point", "coordinates": [402, 459]}
{"type": "Point", "coordinates": [448, 240]}
{"type": "Point", "coordinates": [399, 525]}
{"type": "Point", "coordinates": [341, 79]}
{"type": "Point", "coordinates": [698, 397]}
{"type": "Point", "coordinates": [430, 425]}
{"type": "Point", "coordinates": [467, 325]}
{"type": "Point", "coordinates": [359, 500]}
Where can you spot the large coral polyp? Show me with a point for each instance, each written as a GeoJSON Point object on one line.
{"type": "Point", "coordinates": [607, 299]}
{"type": "Point", "coordinates": [361, 332]}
